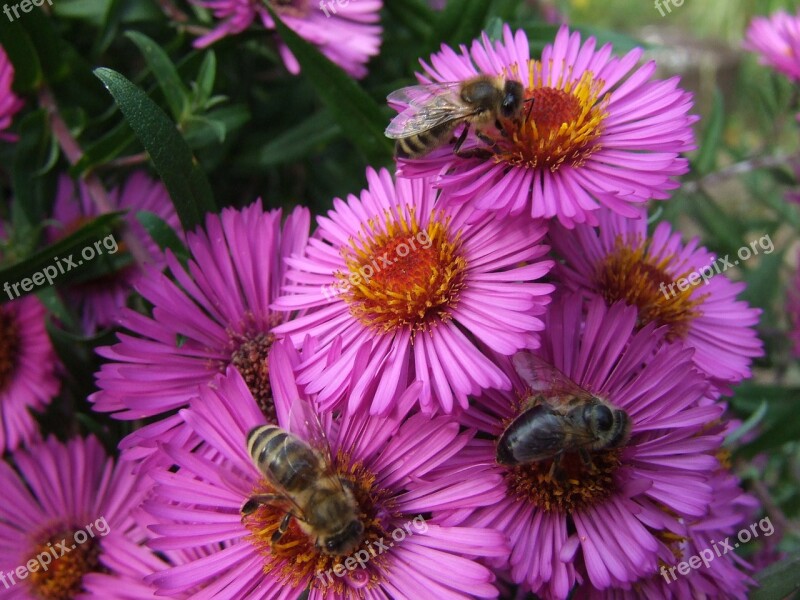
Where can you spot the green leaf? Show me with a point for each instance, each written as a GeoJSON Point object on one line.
{"type": "Point", "coordinates": [33, 157]}
{"type": "Point", "coordinates": [63, 250]}
{"type": "Point", "coordinates": [414, 14]}
{"type": "Point", "coordinates": [169, 81]}
{"type": "Point", "coordinates": [204, 86]}
{"type": "Point", "coordinates": [163, 234]}
{"type": "Point", "coordinates": [50, 48]}
{"type": "Point", "coordinates": [107, 148]}
{"type": "Point", "coordinates": [706, 158]}
{"type": "Point", "coordinates": [779, 425]}
{"type": "Point", "coordinates": [459, 23]}
{"type": "Point", "coordinates": [183, 177]}
{"type": "Point", "coordinates": [295, 143]}
{"type": "Point", "coordinates": [360, 117]}
{"type": "Point", "coordinates": [778, 580]}
{"type": "Point", "coordinates": [111, 22]}
{"type": "Point", "coordinates": [22, 53]}
{"type": "Point", "coordinates": [751, 422]}
{"type": "Point", "coordinates": [761, 288]}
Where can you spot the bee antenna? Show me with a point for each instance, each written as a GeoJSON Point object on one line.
{"type": "Point", "coordinates": [529, 102]}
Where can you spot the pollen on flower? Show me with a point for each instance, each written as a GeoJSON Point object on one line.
{"type": "Point", "coordinates": [571, 486]}
{"type": "Point", "coordinates": [250, 358]}
{"type": "Point", "coordinates": [396, 280]}
{"type": "Point", "coordinates": [64, 576]}
{"type": "Point", "coordinates": [294, 559]}
{"type": "Point", "coordinates": [9, 347]}
{"type": "Point", "coordinates": [560, 124]}
{"type": "Point", "coordinates": [631, 274]}
{"type": "Point", "coordinates": [568, 486]}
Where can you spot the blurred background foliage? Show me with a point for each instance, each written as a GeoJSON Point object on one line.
{"type": "Point", "coordinates": [256, 131]}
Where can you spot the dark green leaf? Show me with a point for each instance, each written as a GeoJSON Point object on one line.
{"type": "Point", "coordinates": [779, 425]}
{"type": "Point", "coordinates": [459, 23]}
{"type": "Point", "coordinates": [778, 580]}
{"type": "Point", "coordinates": [69, 247]}
{"type": "Point", "coordinates": [414, 14]}
{"type": "Point", "coordinates": [107, 148]}
{"type": "Point", "coordinates": [710, 141]}
{"type": "Point", "coordinates": [204, 86]}
{"type": "Point", "coordinates": [111, 22]}
{"type": "Point", "coordinates": [359, 115]}
{"type": "Point", "coordinates": [761, 279]}
{"type": "Point", "coordinates": [293, 144]}
{"type": "Point", "coordinates": [34, 155]}
{"type": "Point", "coordinates": [185, 180]}
{"type": "Point", "coordinates": [165, 73]}
{"type": "Point", "coordinates": [162, 234]}
{"type": "Point", "coordinates": [50, 48]}
{"type": "Point", "coordinates": [22, 53]}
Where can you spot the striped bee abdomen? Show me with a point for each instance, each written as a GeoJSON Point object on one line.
{"type": "Point", "coordinates": [283, 458]}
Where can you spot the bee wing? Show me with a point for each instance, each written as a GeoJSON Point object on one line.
{"type": "Point", "coordinates": [428, 106]}
{"type": "Point", "coordinates": [543, 378]}
{"type": "Point", "coordinates": [312, 425]}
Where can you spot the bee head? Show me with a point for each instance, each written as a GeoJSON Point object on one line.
{"type": "Point", "coordinates": [342, 542]}
{"type": "Point", "coordinates": [611, 425]}
{"type": "Point", "coordinates": [513, 97]}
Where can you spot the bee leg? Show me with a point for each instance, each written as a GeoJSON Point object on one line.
{"type": "Point", "coordinates": [282, 527]}
{"type": "Point", "coordinates": [555, 468]}
{"type": "Point", "coordinates": [254, 502]}
{"type": "Point", "coordinates": [461, 139]}
{"type": "Point", "coordinates": [585, 457]}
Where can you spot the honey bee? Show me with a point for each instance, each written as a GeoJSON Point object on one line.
{"type": "Point", "coordinates": [435, 110]}
{"type": "Point", "coordinates": [307, 486]}
{"type": "Point", "coordinates": [560, 417]}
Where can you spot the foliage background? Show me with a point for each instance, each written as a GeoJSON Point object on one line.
{"type": "Point", "coordinates": [256, 131]}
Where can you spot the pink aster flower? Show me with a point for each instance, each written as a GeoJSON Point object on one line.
{"type": "Point", "coordinates": [101, 300]}
{"type": "Point", "coordinates": [65, 517]}
{"type": "Point", "coordinates": [601, 522]}
{"type": "Point", "coordinates": [28, 363]}
{"type": "Point", "coordinates": [397, 289]}
{"type": "Point", "coordinates": [718, 572]}
{"type": "Point", "coordinates": [618, 261]}
{"type": "Point", "coordinates": [594, 130]}
{"type": "Point", "coordinates": [10, 103]}
{"type": "Point", "coordinates": [212, 314]}
{"type": "Point", "coordinates": [388, 464]}
{"type": "Point", "coordinates": [348, 33]}
{"type": "Point", "coordinates": [776, 39]}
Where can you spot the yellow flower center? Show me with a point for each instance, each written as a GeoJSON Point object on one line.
{"type": "Point", "coordinates": [294, 559]}
{"type": "Point", "coordinates": [402, 276]}
{"type": "Point", "coordinates": [64, 575]}
{"type": "Point", "coordinates": [632, 274]}
{"type": "Point", "coordinates": [9, 347]}
{"type": "Point", "coordinates": [561, 121]}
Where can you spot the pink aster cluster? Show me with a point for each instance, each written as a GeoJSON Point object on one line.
{"type": "Point", "coordinates": [346, 31]}
{"type": "Point", "coordinates": [776, 40]}
{"type": "Point", "coordinates": [10, 103]}
{"type": "Point", "coordinates": [383, 359]}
